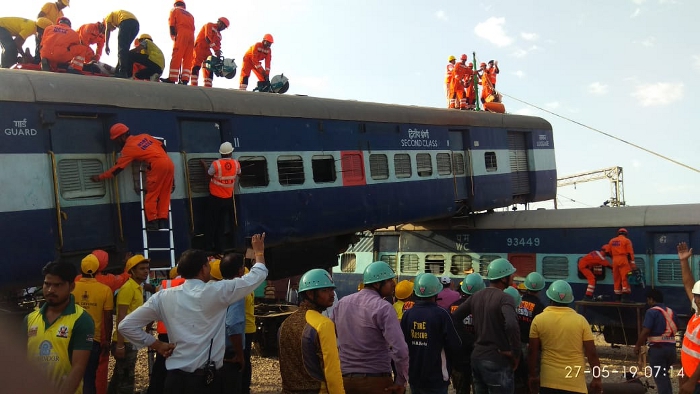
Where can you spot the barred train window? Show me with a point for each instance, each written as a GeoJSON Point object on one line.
{"type": "Point", "coordinates": [461, 264]}
{"type": "Point", "coordinates": [378, 166]}
{"type": "Point", "coordinates": [402, 165]}
{"type": "Point", "coordinates": [424, 164]}
{"type": "Point", "coordinates": [444, 164]}
{"type": "Point", "coordinates": [348, 262]}
{"type": "Point", "coordinates": [435, 264]}
{"type": "Point", "coordinates": [555, 267]}
{"type": "Point", "coordinates": [199, 179]}
{"type": "Point", "coordinates": [253, 171]}
{"type": "Point", "coordinates": [290, 169]}
{"type": "Point", "coordinates": [409, 263]}
{"type": "Point", "coordinates": [323, 167]}
{"type": "Point", "coordinates": [458, 163]}
{"type": "Point", "coordinates": [389, 259]}
{"type": "Point", "coordinates": [484, 263]}
{"type": "Point", "coordinates": [669, 271]}
{"type": "Point", "coordinates": [74, 179]}
{"type": "Point", "coordinates": [490, 161]}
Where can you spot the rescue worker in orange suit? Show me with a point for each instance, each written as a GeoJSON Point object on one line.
{"type": "Point", "coordinates": [448, 77]}
{"type": "Point", "coordinates": [13, 32]}
{"type": "Point", "coordinates": [93, 34]}
{"type": "Point", "coordinates": [128, 30]}
{"type": "Point", "coordinates": [252, 58]}
{"type": "Point", "coordinates": [50, 11]}
{"type": "Point", "coordinates": [61, 45]}
{"type": "Point", "coordinates": [470, 83]}
{"type": "Point", "coordinates": [181, 24]}
{"type": "Point", "coordinates": [159, 174]}
{"type": "Point", "coordinates": [147, 58]}
{"type": "Point", "coordinates": [623, 263]}
{"type": "Point", "coordinates": [223, 174]}
{"type": "Point", "coordinates": [586, 265]}
{"type": "Point", "coordinates": [209, 38]}
{"type": "Point", "coordinates": [460, 74]}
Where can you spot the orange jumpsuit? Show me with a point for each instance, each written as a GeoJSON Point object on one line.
{"type": "Point", "coordinates": [623, 263]}
{"type": "Point", "coordinates": [251, 62]}
{"type": "Point", "coordinates": [61, 44]}
{"type": "Point", "coordinates": [448, 81]}
{"type": "Point", "coordinates": [586, 264]}
{"type": "Point", "coordinates": [457, 89]}
{"type": "Point", "coordinates": [208, 38]}
{"type": "Point", "coordinates": [159, 175]}
{"type": "Point", "coordinates": [89, 34]}
{"type": "Point", "coordinates": [182, 22]}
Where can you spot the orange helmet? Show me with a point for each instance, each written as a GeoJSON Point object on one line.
{"type": "Point", "coordinates": [470, 65]}
{"type": "Point", "coordinates": [224, 21]}
{"type": "Point", "coordinates": [622, 231]}
{"type": "Point", "coordinates": [268, 38]}
{"type": "Point", "coordinates": [463, 57]}
{"type": "Point", "coordinates": [102, 258]}
{"type": "Point", "coordinates": [482, 64]}
{"type": "Point", "coordinates": [116, 130]}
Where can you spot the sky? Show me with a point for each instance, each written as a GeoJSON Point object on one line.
{"type": "Point", "coordinates": [630, 68]}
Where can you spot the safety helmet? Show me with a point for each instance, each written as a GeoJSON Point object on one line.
{"type": "Point", "coordinates": [102, 257]}
{"type": "Point", "coordinates": [463, 57]}
{"type": "Point", "coordinates": [513, 292]}
{"type": "Point", "coordinates": [622, 231]}
{"type": "Point", "coordinates": [404, 289]}
{"type": "Point", "coordinates": [145, 37]}
{"type": "Point", "coordinates": [215, 269]}
{"type": "Point", "coordinates": [134, 261]}
{"type": "Point", "coordinates": [560, 291]}
{"type": "Point", "coordinates": [490, 61]}
{"type": "Point", "coordinates": [226, 148]}
{"type": "Point", "coordinates": [116, 130]}
{"type": "Point", "coordinates": [445, 280]}
{"type": "Point", "coordinates": [521, 286]}
{"type": "Point", "coordinates": [534, 281]}
{"type": "Point", "coordinates": [605, 248]}
{"type": "Point", "coordinates": [377, 272]}
{"type": "Point", "coordinates": [224, 21]}
{"type": "Point", "coordinates": [66, 2]}
{"type": "Point", "coordinates": [472, 283]}
{"type": "Point", "coordinates": [427, 286]}
{"type": "Point", "coordinates": [173, 273]}
{"type": "Point", "coordinates": [180, 3]}
{"type": "Point", "coordinates": [696, 288]}
{"type": "Point", "coordinates": [90, 264]}
{"type": "Point", "coordinates": [499, 268]}
{"type": "Point", "coordinates": [482, 64]}
{"type": "Point", "coordinates": [63, 21]}
{"type": "Point", "coordinates": [451, 58]}
{"type": "Point", "coordinates": [470, 64]}
{"type": "Point", "coordinates": [316, 279]}
{"type": "Point", "coordinates": [43, 22]}
{"type": "Point", "coordinates": [268, 38]}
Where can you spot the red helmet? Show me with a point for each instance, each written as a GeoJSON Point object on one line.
{"type": "Point", "coordinates": [116, 130]}
{"type": "Point", "coordinates": [463, 57]}
{"type": "Point", "coordinates": [224, 21]}
{"type": "Point", "coordinates": [102, 257]}
{"type": "Point", "coordinates": [268, 38]}
{"type": "Point", "coordinates": [63, 21]}
{"type": "Point", "coordinates": [622, 231]}
{"type": "Point", "coordinates": [482, 64]}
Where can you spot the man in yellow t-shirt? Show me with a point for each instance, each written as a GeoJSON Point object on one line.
{"type": "Point", "coordinates": [129, 297]}
{"type": "Point", "coordinates": [51, 11]}
{"type": "Point", "coordinates": [564, 337]}
{"type": "Point", "coordinates": [98, 301]}
{"type": "Point", "coordinates": [128, 30]}
{"type": "Point", "coordinates": [13, 33]}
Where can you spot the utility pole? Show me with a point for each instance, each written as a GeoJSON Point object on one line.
{"type": "Point", "coordinates": [613, 174]}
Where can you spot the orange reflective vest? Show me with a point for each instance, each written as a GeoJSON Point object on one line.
{"type": "Point", "coordinates": [690, 353]}
{"type": "Point", "coordinates": [448, 74]}
{"type": "Point", "coordinates": [164, 285]}
{"type": "Point", "coordinates": [224, 178]}
{"type": "Point", "coordinates": [669, 335]}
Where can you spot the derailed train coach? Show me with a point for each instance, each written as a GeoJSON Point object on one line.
{"type": "Point", "coordinates": [314, 171]}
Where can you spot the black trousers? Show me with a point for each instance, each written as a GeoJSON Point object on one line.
{"type": "Point", "coordinates": [179, 382]}
{"type": "Point", "coordinates": [219, 211]}
{"type": "Point", "coordinates": [232, 378]}
{"type": "Point", "coordinates": [142, 59]}
{"type": "Point", "coordinates": [156, 383]}
{"type": "Point", "coordinates": [9, 49]}
{"type": "Point", "coordinates": [248, 370]}
{"type": "Point", "coordinates": [128, 30]}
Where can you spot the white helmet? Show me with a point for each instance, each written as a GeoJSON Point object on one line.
{"type": "Point", "coordinates": [226, 148]}
{"type": "Point", "coordinates": [696, 288]}
{"type": "Point", "coordinates": [445, 280]}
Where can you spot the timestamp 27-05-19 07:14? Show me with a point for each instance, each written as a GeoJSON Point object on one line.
{"type": "Point", "coordinates": [606, 371]}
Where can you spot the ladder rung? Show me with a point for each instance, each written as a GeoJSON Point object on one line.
{"type": "Point", "coordinates": [160, 249]}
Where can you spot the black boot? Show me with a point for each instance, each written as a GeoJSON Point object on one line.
{"type": "Point", "coordinates": [625, 298]}
{"type": "Point", "coordinates": [618, 297]}
{"type": "Point", "coordinates": [587, 298]}
{"type": "Point", "coordinates": [152, 225]}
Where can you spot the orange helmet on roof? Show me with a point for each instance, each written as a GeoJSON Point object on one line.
{"type": "Point", "coordinates": [622, 231]}
{"type": "Point", "coordinates": [463, 57]}
{"type": "Point", "coordinates": [116, 130]}
{"type": "Point", "coordinates": [482, 64]}
{"type": "Point", "coordinates": [268, 38]}
{"type": "Point", "coordinates": [224, 21]}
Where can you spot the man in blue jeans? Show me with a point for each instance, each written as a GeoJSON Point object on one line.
{"type": "Point", "coordinates": [497, 348]}
{"type": "Point", "coordinates": [659, 331]}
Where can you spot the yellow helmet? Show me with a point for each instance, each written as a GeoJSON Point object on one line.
{"type": "Point", "coordinates": [404, 289]}
{"type": "Point", "coordinates": [145, 37]}
{"type": "Point", "coordinates": [66, 2]}
{"type": "Point", "coordinates": [451, 58]}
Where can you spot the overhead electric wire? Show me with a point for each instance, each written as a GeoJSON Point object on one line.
{"type": "Point", "coordinates": [605, 134]}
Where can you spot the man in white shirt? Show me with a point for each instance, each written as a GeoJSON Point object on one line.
{"type": "Point", "coordinates": [194, 314]}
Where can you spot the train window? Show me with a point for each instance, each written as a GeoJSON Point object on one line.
{"type": "Point", "coordinates": [458, 163]}
{"type": "Point", "coordinates": [290, 169]}
{"type": "Point", "coordinates": [424, 164]}
{"type": "Point", "coordinates": [490, 160]}
{"type": "Point", "coordinates": [348, 262]}
{"type": "Point", "coordinates": [389, 259]}
{"type": "Point", "coordinates": [484, 261]}
{"type": "Point", "coordinates": [435, 264]}
{"type": "Point", "coordinates": [461, 264]}
{"type": "Point", "coordinates": [199, 179]}
{"type": "Point", "coordinates": [323, 167]}
{"type": "Point", "coordinates": [378, 166]}
{"type": "Point", "coordinates": [444, 164]}
{"type": "Point", "coordinates": [669, 271]}
{"type": "Point", "coordinates": [409, 263]}
{"type": "Point", "coordinates": [555, 267]}
{"type": "Point", "coordinates": [402, 165]}
{"type": "Point", "coordinates": [253, 171]}
{"type": "Point", "coordinates": [74, 179]}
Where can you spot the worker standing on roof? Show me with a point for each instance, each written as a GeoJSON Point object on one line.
{"type": "Point", "coordinates": [93, 33]}
{"type": "Point", "coordinates": [51, 11]}
{"type": "Point", "coordinates": [622, 264]}
{"type": "Point", "coordinates": [61, 45]}
{"type": "Point", "coordinates": [252, 58]}
{"type": "Point", "coordinates": [209, 38]}
{"type": "Point", "coordinates": [13, 32]}
{"type": "Point", "coordinates": [223, 174]}
{"type": "Point", "coordinates": [128, 30]}
{"type": "Point", "coordinates": [148, 59]}
{"type": "Point", "coordinates": [459, 76]}
{"type": "Point", "coordinates": [448, 77]}
{"type": "Point", "coordinates": [181, 24]}
{"type": "Point", "coordinates": [586, 265]}
{"type": "Point", "coordinates": [159, 173]}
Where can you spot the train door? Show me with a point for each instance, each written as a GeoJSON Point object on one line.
{"type": "Point", "coordinates": [461, 167]}
{"type": "Point", "coordinates": [519, 168]}
{"type": "Point", "coordinates": [85, 209]}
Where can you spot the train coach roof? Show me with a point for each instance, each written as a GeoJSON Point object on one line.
{"type": "Point", "coordinates": [43, 87]}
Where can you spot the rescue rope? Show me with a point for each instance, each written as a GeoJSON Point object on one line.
{"type": "Point", "coordinates": [605, 134]}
